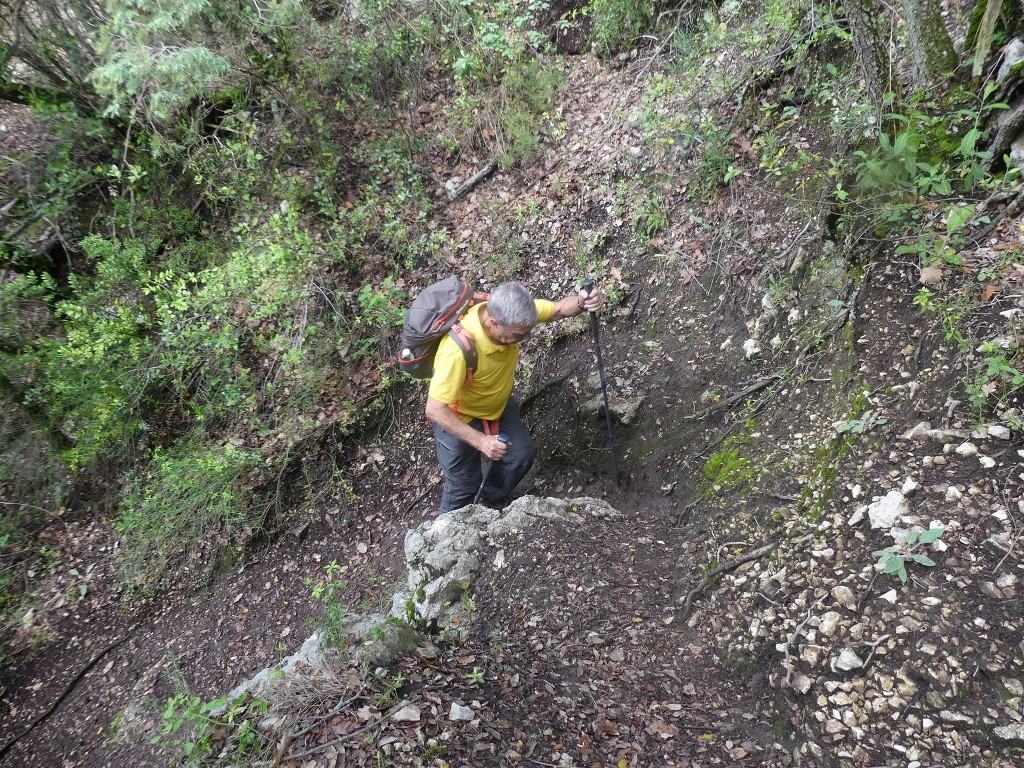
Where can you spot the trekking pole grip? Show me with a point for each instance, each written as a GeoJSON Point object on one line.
{"type": "Point", "coordinates": [587, 286]}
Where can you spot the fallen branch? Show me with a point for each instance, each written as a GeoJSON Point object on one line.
{"type": "Point", "coordinates": [333, 742]}
{"type": "Point", "coordinates": [419, 498]}
{"type": "Point", "coordinates": [1012, 209]}
{"type": "Point", "coordinates": [733, 399]}
{"type": "Point", "coordinates": [786, 663]}
{"type": "Point", "coordinates": [471, 182]}
{"type": "Point", "coordinates": [754, 554]}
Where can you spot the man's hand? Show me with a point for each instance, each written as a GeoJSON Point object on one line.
{"type": "Point", "coordinates": [593, 301]}
{"type": "Point", "coordinates": [493, 448]}
{"type": "Point", "coordinates": [489, 445]}
{"type": "Point", "coordinates": [578, 303]}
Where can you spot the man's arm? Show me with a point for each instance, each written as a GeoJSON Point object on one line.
{"type": "Point", "coordinates": [489, 445]}
{"type": "Point", "coordinates": [578, 303]}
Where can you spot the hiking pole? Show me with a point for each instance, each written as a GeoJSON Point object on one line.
{"type": "Point", "coordinates": [490, 464]}
{"type": "Point", "coordinates": [588, 286]}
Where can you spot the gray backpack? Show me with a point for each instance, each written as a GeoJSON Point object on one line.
{"type": "Point", "coordinates": [434, 314]}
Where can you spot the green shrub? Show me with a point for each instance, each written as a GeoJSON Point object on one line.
{"type": "Point", "coordinates": [191, 501]}
{"type": "Point", "coordinates": [90, 382]}
{"type": "Point", "coordinates": [618, 23]}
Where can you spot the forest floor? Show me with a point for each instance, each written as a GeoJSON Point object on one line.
{"type": "Point", "coordinates": [576, 656]}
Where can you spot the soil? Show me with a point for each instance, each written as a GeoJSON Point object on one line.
{"type": "Point", "coordinates": [583, 660]}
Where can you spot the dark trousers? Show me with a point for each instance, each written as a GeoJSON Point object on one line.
{"type": "Point", "coordinates": [461, 462]}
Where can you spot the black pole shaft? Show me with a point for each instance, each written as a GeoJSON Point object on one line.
{"type": "Point", "coordinates": [588, 286]}
{"type": "Point", "coordinates": [487, 473]}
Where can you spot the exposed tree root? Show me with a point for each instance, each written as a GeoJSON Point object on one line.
{"type": "Point", "coordinates": [67, 690]}
{"type": "Point", "coordinates": [753, 554]}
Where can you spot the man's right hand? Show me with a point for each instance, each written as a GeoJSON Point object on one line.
{"type": "Point", "coordinates": [493, 448]}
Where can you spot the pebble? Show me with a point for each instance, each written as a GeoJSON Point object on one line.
{"type": "Point", "coordinates": [845, 597]}
{"type": "Point", "coordinates": [987, 462]}
{"type": "Point", "coordinates": [967, 449]}
{"type": "Point", "coordinates": [998, 431]}
{"type": "Point", "coordinates": [847, 660]}
{"type": "Point", "coordinates": [459, 712]}
{"type": "Point", "coordinates": [410, 713]}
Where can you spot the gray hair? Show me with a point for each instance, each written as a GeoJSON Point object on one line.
{"type": "Point", "coordinates": [512, 305]}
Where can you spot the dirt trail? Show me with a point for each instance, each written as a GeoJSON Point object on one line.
{"type": "Point", "coordinates": [585, 665]}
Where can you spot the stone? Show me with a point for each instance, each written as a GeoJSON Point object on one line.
{"type": "Point", "coordinates": [847, 660]}
{"type": "Point", "coordinates": [967, 449]}
{"type": "Point", "coordinates": [459, 712]}
{"type": "Point", "coordinates": [1011, 734]}
{"type": "Point", "coordinates": [443, 555]}
{"type": "Point", "coordinates": [624, 410]}
{"type": "Point", "coordinates": [410, 713]}
{"type": "Point", "coordinates": [998, 431]}
{"type": "Point", "coordinates": [917, 433]}
{"type": "Point", "coordinates": [845, 597]}
{"type": "Point", "coordinates": [950, 716]}
{"type": "Point", "coordinates": [890, 508]}
{"type": "Point", "coordinates": [1013, 54]}
{"type": "Point", "coordinates": [1000, 543]}
{"type": "Point", "coordinates": [987, 462]}
{"type": "Point", "coordinates": [801, 683]}
{"type": "Point", "coordinates": [829, 624]}
{"type": "Point", "coordinates": [1014, 686]}
{"type": "Point", "coordinates": [811, 654]}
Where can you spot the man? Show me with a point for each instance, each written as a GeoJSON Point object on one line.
{"type": "Point", "coordinates": [468, 415]}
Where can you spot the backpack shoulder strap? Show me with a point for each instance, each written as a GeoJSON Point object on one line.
{"type": "Point", "coordinates": [464, 341]}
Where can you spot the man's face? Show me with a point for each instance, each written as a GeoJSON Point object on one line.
{"type": "Point", "coordinates": [506, 334]}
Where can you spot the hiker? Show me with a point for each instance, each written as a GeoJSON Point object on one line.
{"type": "Point", "coordinates": [468, 413]}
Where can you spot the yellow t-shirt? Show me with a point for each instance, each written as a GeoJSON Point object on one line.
{"type": "Point", "coordinates": [488, 393]}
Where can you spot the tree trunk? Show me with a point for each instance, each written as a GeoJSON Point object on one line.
{"type": "Point", "coordinates": [929, 40]}
{"type": "Point", "coordinates": [871, 48]}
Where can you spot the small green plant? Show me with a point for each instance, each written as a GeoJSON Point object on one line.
{"type": "Point", "coordinates": [82, 588]}
{"type": "Point", "coordinates": [203, 730]}
{"type": "Point", "coordinates": [1000, 377]}
{"type": "Point", "coordinates": [867, 421]}
{"type": "Point", "coordinates": [497, 641]}
{"type": "Point", "coordinates": [894, 559]}
{"type": "Point", "coordinates": [435, 751]}
{"type": "Point", "coordinates": [329, 591]}
{"type": "Point", "coordinates": [477, 676]}
{"type": "Point", "coordinates": [389, 694]}
{"type": "Point", "coordinates": [650, 217]}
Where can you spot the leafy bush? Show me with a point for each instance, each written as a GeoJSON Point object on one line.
{"type": "Point", "coordinates": [191, 497]}
{"type": "Point", "coordinates": [618, 23]}
{"type": "Point", "coordinates": [90, 383]}
{"type": "Point", "coordinates": [160, 59]}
